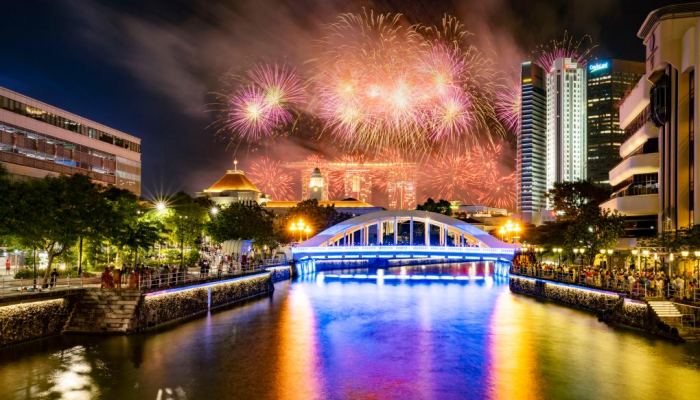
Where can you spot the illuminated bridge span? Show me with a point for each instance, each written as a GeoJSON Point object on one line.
{"type": "Point", "coordinates": [404, 234]}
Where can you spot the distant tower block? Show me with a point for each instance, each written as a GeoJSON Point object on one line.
{"type": "Point", "coordinates": [316, 189]}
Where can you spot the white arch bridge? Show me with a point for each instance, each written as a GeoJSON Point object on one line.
{"type": "Point", "coordinates": [404, 234]}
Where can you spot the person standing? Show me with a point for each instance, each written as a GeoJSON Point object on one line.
{"type": "Point", "coordinates": [7, 267]}
{"type": "Point", "coordinates": [118, 278]}
{"type": "Point", "coordinates": [54, 277]}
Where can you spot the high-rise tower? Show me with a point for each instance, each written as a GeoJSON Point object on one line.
{"type": "Point", "coordinates": [608, 81]}
{"type": "Point", "coordinates": [566, 122]}
{"type": "Point", "coordinates": [531, 165]}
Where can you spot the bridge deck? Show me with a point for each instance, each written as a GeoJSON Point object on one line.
{"type": "Point", "coordinates": [354, 252]}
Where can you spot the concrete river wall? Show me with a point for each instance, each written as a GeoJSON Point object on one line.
{"type": "Point", "coordinates": [98, 311]}
{"type": "Point", "coordinates": [607, 306]}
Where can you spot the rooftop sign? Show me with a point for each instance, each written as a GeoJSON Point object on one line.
{"type": "Point", "coordinates": [599, 66]}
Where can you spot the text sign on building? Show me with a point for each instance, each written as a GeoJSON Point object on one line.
{"type": "Point", "coordinates": [599, 66]}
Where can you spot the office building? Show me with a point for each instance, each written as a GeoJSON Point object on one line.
{"type": "Point", "coordinates": [566, 122]}
{"type": "Point", "coordinates": [608, 81]}
{"type": "Point", "coordinates": [531, 164]}
{"type": "Point", "coordinates": [37, 140]}
{"type": "Point", "coordinates": [654, 184]}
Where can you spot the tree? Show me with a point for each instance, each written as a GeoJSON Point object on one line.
{"type": "Point", "coordinates": [42, 215]}
{"type": "Point", "coordinates": [441, 207]}
{"type": "Point", "coordinates": [186, 219]}
{"type": "Point", "coordinates": [594, 229]}
{"type": "Point", "coordinates": [238, 221]}
{"type": "Point", "coordinates": [318, 217]}
{"type": "Point", "coordinates": [571, 197]}
{"type": "Point", "coordinates": [142, 234]}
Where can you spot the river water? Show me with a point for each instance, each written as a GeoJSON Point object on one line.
{"type": "Point", "coordinates": [339, 337]}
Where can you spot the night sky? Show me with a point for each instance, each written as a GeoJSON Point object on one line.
{"type": "Point", "coordinates": [150, 69]}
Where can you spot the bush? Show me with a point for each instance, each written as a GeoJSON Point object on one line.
{"type": "Point", "coordinates": [28, 273]}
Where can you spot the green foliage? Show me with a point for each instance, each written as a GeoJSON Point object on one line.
{"type": "Point", "coordinates": [441, 207]}
{"type": "Point", "coordinates": [318, 217]}
{"type": "Point", "coordinates": [238, 221]}
{"type": "Point", "coordinates": [571, 197]}
{"type": "Point", "coordinates": [185, 219]}
{"type": "Point", "coordinates": [594, 229]}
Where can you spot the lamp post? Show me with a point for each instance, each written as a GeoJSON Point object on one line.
{"type": "Point", "coordinates": [645, 253]}
{"type": "Point", "coordinates": [684, 254]}
{"type": "Point", "coordinates": [656, 260]}
{"type": "Point", "coordinates": [557, 251]}
{"type": "Point", "coordinates": [300, 227]}
{"type": "Point", "coordinates": [634, 253]}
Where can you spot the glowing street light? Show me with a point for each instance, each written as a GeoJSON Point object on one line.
{"type": "Point", "coordinates": [301, 227]}
{"type": "Point", "coordinates": [160, 206]}
{"type": "Point", "coordinates": [214, 210]}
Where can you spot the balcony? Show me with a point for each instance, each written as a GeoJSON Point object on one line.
{"type": "Point", "coordinates": [634, 165]}
{"type": "Point", "coordinates": [634, 205]}
{"type": "Point", "coordinates": [645, 132]}
{"type": "Point", "coordinates": [634, 102]}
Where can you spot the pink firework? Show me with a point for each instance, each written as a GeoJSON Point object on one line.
{"type": "Point", "coordinates": [508, 103]}
{"type": "Point", "coordinates": [577, 50]}
{"type": "Point", "coordinates": [498, 190]}
{"type": "Point", "coordinates": [270, 178]}
{"type": "Point", "coordinates": [282, 90]}
{"type": "Point", "coordinates": [248, 114]}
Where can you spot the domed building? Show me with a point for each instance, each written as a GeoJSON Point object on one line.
{"type": "Point", "coordinates": [234, 187]}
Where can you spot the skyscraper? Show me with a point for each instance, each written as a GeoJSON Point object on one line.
{"type": "Point", "coordinates": [531, 165]}
{"type": "Point", "coordinates": [608, 81]}
{"type": "Point", "coordinates": [566, 122]}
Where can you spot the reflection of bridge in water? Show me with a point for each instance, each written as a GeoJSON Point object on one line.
{"type": "Point", "coordinates": [402, 236]}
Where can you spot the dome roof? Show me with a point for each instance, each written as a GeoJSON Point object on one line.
{"type": "Point", "coordinates": [234, 180]}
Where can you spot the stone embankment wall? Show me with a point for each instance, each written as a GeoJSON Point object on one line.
{"type": "Point", "coordinates": [280, 273]}
{"type": "Point", "coordinates": [28, 321]}
{"type": "Point", "coordinates": [159, 308]}
{"type": "Point", "coordinates": [607, 306]}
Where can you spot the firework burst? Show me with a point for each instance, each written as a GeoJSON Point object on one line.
{"type": "Point", "coordinates": [383, 84]}
{"type": "Point", "coordinates": [498, 190]}
{"type": "Point", "coordinates": [262, 102]}
{"type": "Point", "coordinates": [449, 176]}
{"type": "Point", "coordinates": [508, 104]}
{"type": "Point", "coordinates": [269, 176]}
{"type": "Point", "coordinates": [568, 47]}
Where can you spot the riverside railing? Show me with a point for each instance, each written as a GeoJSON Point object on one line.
{"type": "Point", "coordinates": [163, 278]}
{"type": "Point", "coordinates": [615, 283]}
{"type": "Point", "coordinates": [634, 290]}
{"type": "Point", "coordinates": [20, 287]}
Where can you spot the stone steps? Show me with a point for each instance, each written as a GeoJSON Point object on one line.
{"type": "Point", "coordinates": [103, 311]}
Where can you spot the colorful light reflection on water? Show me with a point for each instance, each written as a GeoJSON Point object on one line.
{"type": "Point", "coordinates": [348, 338]}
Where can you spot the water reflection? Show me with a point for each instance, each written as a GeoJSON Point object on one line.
{"type": "Point", "coordinates": [356, 338]}
{"type": "Point", "coordinates": [297, 373]}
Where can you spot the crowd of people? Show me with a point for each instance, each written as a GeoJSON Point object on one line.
{"type": "Point", "coordinates": [649, 283]}
{"type": "Point", "coordinates": [213, 262]}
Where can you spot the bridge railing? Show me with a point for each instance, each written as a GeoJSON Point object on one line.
{"type": "Point", "coordinates": [400, 249]}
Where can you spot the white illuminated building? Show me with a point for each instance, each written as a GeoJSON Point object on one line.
{"type": "Point", "coordinates": [566, 122]}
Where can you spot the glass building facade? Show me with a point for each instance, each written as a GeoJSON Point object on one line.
{"type": "Point", "coordinates": [608, 82]}
{"type": "Point", "coordinates": [531, 164]}
{"type": "Point", "coordinates": [38, 140]}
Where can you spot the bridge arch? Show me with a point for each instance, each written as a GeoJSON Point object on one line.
{"type": "Point", "coordinates": [404, 227]}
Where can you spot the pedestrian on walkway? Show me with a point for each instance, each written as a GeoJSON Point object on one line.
{"type": "Point", "coordinates": [54, 277]}
{"type": "Point", "coordinates": [7, 267]}
{"type": "Point", "coordinates": [118, 278]}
